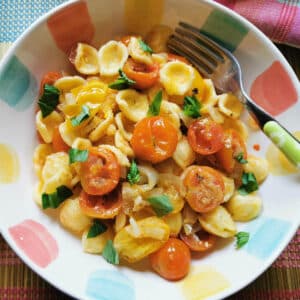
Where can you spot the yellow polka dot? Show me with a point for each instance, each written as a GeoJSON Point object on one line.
{"type": "Point", "coordinates": [9, 165]}
{"type": "Point", "coordinates": [203, 282]}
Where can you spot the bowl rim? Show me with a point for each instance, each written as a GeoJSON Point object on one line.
{"type": "Point", "coordinates": [271, 47]}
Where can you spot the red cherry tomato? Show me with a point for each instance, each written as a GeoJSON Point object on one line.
{"type": "Point", "coordinates": [49, 78]}
{"type": "Point", "coordinates": [200, 241]}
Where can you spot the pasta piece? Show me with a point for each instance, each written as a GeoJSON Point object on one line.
{"type": "Point", "coordinates": [137, 53]}
{"type": "Point", "coordinates": [174, 222]}
{"type": "Point", "coordinates": [56, 172]}
{"type": "Point", "coordinates": [67, 83]}
{"type": "Point", "coordinates": [209, 97]}
{"type": "Point", "coordinates": [96, 244]}
{"type": "Point", "coordinates": [149, 177]}
{"type": "Point", "coordinates": [230, 105]}
{"type": "Point", "coordinates": [244, 207]}
{"type": "Point", "coordinates": [154, 233]}
{"type": "Point", "coordinates": [45, 126]}
{"type": "Point", "coordinates": [122, 158]}
{"type": "Point", "coordinates": [160, 58]}
{"type": "Point", "coordinates": [81, 143]}
{"type": "Point", "coordinates": [157, 38]}
{"type": "Point", "coordinates": [120, 221]}
{"type": "Point", "coordinates": [257, 165]}
{"type": "Point", "coordinates": [86, 59]}
{"type": "Point", "coordinates": [214, 114]}
{"type": "Point", "coordinates": [68, 133]}
{"type": "Point", "coordinates": [39, 157]}
{"type": "Point", "coordinates": [198, 86]}
{"type": "Point", "coordinates": [122, 144]}
{"type": "Point", "coordinates": [189, 219]}
{"type": "Point", "coordinates": [131, 198]}
{"type": "Point", "coordinates": [184, 154]}
{"type": "Point", "coordinates": [229, 188]}
{"type": "Point", "coordinates": [171, 111]}
{"type": "Point", "coordinates": [72, 217]}
{"type": "Point", "coordinates": [218, 222]}
{"type": "Point", "coordinates": [111, 130]}
{"type": "Point", "coordinates": [237, 125]}
{"type": "Point", "coordinates": [168, 166]}
{"type": "Point", "coordinates": [112, 57]}
{"type": "Point", "coordinates": [133, 105]}
{"type": "Point", "coordinates": [177, 77]}
{"type": "Point", "coordinates": [120, 123]}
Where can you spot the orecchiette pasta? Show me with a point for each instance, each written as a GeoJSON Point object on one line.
{"type": "Point", "coordinates": [258, 166]}
{"type": "Point", "coordinates": [230, 105]}
{"type": "Point", "coordinates": [67, 83]}
{"type": "Point", "coordinates": [86, 60]}
{"type": "Point", "coordinates": [229, 188]}
{"type": "Point", "coordinates": [39, 157]}
{"type": "Point", "coordinates": [137, 53]}
{"type": "Point", "coordinates": [174, 222]}
{"type": "Point", "coordinates": [184, 154]}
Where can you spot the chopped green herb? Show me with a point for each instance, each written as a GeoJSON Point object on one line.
{"type": "Point", "coordinates": [133, 175]}
{"type": "Point", "coordinates": [145, 47]}
{"type": "Point", "coordinates": [85, 113]}
{"type": "Point", "coordinates": [55, 199]}
{"type": "Point", "coordinates": [78, 155]}
{"type": "Point", "coordinates": [110, 254]}
{"type": "Point", "coordinates": [242, 239]}
{"type": "Point", "coordinates": [96, 229]}
{"type": "Point", "coordinates": [154, 107]}
{"type": "Point", "coordinates": [240, 158]}
{"type": "Point", "coordinates": [122, 83]}
{"type": "Point", "coordinates": [249, 184]}
{"type": "Point", "coordinates": [161, 205]}
{"type": "Point", "coordinates": [48, 100]}
{"type": "Point", "coordinates": [191, 106]}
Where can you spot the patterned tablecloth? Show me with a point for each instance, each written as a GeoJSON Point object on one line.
{"type": "Point", "coordinates": [281, 281]}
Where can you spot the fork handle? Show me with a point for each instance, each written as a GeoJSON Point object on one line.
{"type": "Point", "coordinates": [284, 140]}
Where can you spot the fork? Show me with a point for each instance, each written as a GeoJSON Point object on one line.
{"type": "Point", "coordinates": [218, 64]}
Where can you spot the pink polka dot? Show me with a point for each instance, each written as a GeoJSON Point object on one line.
{"type": "Point", "coordinates": [71, 25]}
{"type": "Point", "coordinates": [36, 242]}
{"type": "Point", "coordinates": [273, 90]}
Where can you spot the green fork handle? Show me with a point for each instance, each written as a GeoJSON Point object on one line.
{"type": "Point", "coordinates": [287, 143]}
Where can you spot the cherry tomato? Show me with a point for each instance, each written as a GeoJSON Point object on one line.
{"type": "Point", "coordinates": [49, 78]}
{"type": "Point", "coordinates": [205, 188]}
{"type": "Point", "coordinates": [102, 207]}
{"type": "Point", "coordinates": [205, 136]}
{"type": "Point", "coordinates": [58, 143]}
{"type": "Point", "coordinates": [154, 139]}
{"type": "Point", "coordinates": [144, 75]}
{"type": "Point", "coordinates": [100, 173]}
{"type": "Point", "coordinates": [174, 57]}
{"type": "Point", "coordinates": [233, 145]}
{"type": "Point", "coordinates": [199, 241]}
{"type": "Point", "coordinates": [172, 260]}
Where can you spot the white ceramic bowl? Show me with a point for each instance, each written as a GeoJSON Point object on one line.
{"type": "Point", "coordinates": [54, 253]}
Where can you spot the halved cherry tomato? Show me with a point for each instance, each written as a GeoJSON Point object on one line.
{"type": "Point", "coordinates": [58, 143]}
{"type": "Point", "coordinates": [199, 241]}
{"type": "Point", "coordinates": [102, 207]}
{"type": "Point", "coordinates": [49, 78]}
{"type": "Point", "coordinates": [144, 75]}
{"type": "Point", "coordinates": [205, 136]}
{"type": "Point", "coordinates": [174, 57]}
{"type": "Point", "coordinates": [233, 145]}
{"type": "Point", "coordinates": [172, 260]}
{"type": "Point", "coordinates": [204, 188]}
{"type": "Point", "coordinates": [100, 174]}
{"type": "Point", "coordinates": [154, 139]}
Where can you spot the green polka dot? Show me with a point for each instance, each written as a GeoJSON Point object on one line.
{"type": "Point", "coordinates": [224, 29]}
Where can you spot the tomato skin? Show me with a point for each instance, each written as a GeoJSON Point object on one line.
{"type": "Point", "coordinates": [172, 260]}
{"type": "Point", "coordinates": [205, 136]}
{"type": "Point", "coordinates": [154, 139]}
{"type": "Point", "coordinates": [58, 143]}
{"type": "Point", "coordinates": [205, 188]}
{"type": "Point", "coordinates": [100, 173]}
{"type": "Point", "coordinates": [232, 146]}
{"type": "Point", "coordinates": [49, 78]}
{"type": "Point", "coordinates": [144, 75]}
{"type": "Point", "coordinates": [200, 241]}
{"type": "Point", "coordinates": [175, 57]}
{"type": "Point", "coordinates": [102, 207]}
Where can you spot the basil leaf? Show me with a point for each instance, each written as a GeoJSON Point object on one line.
{"type": "Point", "coordinates": [55, 199]}
{"type": "Point", "coordinates": [85, 113]}
{"type": "Point", "coordinates": [240, 158]}
{"type": "Point", "coordinates": [110, 254]}
{"type": "Point", "coordinates": [154, 107]}
{"type": "Point", "coordinates": [242, 239]}
{"type": "Point", "coordinates": [48, 100]}
{"type": "Point", "coordinates": [191, 106]}
{"type": "Point", "coordinates": [96, 229]}
{"type": "Point", "coordinates": [133, 175]}
{"type": "Point", "coordinates": [78, 155]}
{"type": "Point", "coordinates": [249, 184]}
{"type": "Point", "coordinates": [145, 47]}
{"type": "Point", "coordinates": [161, 205]}
{"type": "Point", "coordinates": [122, 83]}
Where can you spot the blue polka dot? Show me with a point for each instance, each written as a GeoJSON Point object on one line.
{"type": "Point", "coordinates": [109, 285]}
